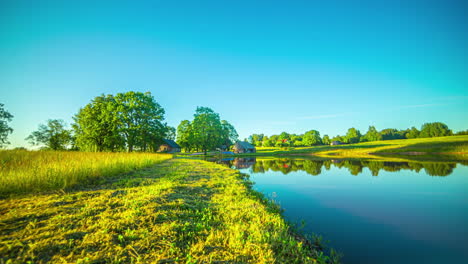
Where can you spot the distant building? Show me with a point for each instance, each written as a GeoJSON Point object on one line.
{"type": "Point", "coordinates": [334, 143]}
{"type": "Point", "coordinates": [243, 147]}
{"type": "Point", "coordinates": [169, 146]}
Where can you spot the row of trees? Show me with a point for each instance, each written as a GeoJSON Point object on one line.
{"type": "Point", "coordinates": [131, 121]}
{"type": "Point", "coordinates": [353, 135]}
{"type": "Point", "coordinates": [205, 132]}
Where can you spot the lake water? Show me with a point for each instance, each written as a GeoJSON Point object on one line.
{"type": "Point", "coordinates": [372, 211]}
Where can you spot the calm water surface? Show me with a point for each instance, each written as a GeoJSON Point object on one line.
{"type": "Point", "coordinates": [372, 212]}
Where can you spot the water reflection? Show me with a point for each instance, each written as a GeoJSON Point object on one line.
{"type": "Point", "coordinates": [355, 167]}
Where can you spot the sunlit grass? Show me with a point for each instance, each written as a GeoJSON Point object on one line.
{"type": "Point", "coordinates": [36, 171]}
{"type": "Point", "coordinates": [454, 145]}
{"type": "Point", "coordinates": [179, 211]}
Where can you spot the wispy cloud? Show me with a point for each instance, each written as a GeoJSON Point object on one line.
{"type": "Point", "coordinates": [322, 116]}
{"type": "Point", "coordinates": [418, 106]}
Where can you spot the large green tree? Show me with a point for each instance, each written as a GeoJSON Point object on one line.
{"type": "Point", "coordinates": [141, 120]}
{"type": "Point", "coordinates": [185, 135]}
{"type": "Point", "coordinates": [436, 129]}
{"type": "Point", "coordinates": [5, 129]}
{"type": "Point", "coordinates": [207, 129]}
{"type": "Point", "coordinates": [353, 136]}
{"type": "Point", "coordinates": [229, 134]}
{"type": "Point", "coordinates": [96, 126]}
{"type": "Point", "coordinates": [311, 138]}
{"type": "Point", "coordinates": [371, 135]}
{"type": "Point", "coordinates": [53, 135]}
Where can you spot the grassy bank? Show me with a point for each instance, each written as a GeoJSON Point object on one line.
{"type": "Point", "coordinates": [445, 147]}
{"type": "Point", "coordinates": [178, 211]}
{"type": "Point", "coordinates": [37, 171]}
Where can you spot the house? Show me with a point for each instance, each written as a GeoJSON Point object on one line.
{"type": "Point", "coordinates": [169, 146]}
{"type": "Point", "coordinates": [334, 143]}
{"type": "Point", "coordinates": [243, 147]}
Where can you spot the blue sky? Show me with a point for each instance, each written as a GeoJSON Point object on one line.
{"type": "Point", "coordinates": [265, 66]}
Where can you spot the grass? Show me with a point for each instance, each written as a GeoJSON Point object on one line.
{"type": "Point", "coordinates": [445, 147]}
{"type": "Point", "coordinates": [24, 172]}
{"type": "Point", "coordinates": [177, 211]}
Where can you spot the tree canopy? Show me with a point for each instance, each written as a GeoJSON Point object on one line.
{"type": "Point", "coordinates": [206, 132]}
{"type": "Point", "coordinates": [131, 121]}
{"type": "Point", "coordinates": [53, 135]}
{"type": "Point", "coordinates": [5, 129]}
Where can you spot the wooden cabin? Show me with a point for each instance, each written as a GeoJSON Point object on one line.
{"type": "Point", "coordinates": [244, 147]}
{"type": "Point", "coordinates": [335, 143]}
{"type": "Point", "coordinates": [169, 146]}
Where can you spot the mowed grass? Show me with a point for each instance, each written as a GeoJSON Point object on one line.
{"type": "Point", "coordinates": [178, 211]}
{"type": "Point", "coordinates": [24, 172]}
{"type": "Point", "coordinates": [454, 145]}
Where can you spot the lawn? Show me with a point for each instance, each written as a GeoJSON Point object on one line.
{"type": "Point", "coordinates": [177, 211]}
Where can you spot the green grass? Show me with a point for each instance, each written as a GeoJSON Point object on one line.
{"type": "Point", "coordinates": [178, 211]}
{"type": "Point", "coordinates": [454, 146]}
{"type": "Point", "coordinates": [37, 171]}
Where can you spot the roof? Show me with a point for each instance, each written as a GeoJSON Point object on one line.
{"type": "Point", "coordinates": [244, 145]}
{"type": "Point", "coordinates": [171, 143]}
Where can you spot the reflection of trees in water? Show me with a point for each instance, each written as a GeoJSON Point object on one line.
{"type": "Point", "coordinates": [355, 167]}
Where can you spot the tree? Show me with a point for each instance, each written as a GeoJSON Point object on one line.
{"type": "Point", "coordinates": [140, 120]}
{"type": "Point", "coordinates": [326, 140]}
{"type": "Point", "coordinates": [256, 139]}
{"type": "Point", "coordinates": [185, 135]}
{"type": "Point", "coordinates": [207, 129]}
{"type": "Point", "coordinates": [97, 125]}
{"type": "Point", "coordinates": [53, 136]}
{"type": "Point", "coordinates": [389, 134]}
{"type": "Point", "coordinates": [170, 133]}
{"type": "Point", "coordinates": [412, 133]}
{"type": "Point", "coordinates": [5, 117]}
{"type": "Point", "coordinates": [353, 136]}
{"type": "Point", "coordinates": [436, 129]}
{"type": "Point", "coordinates": [371, 135]}
{"type": "Point", "coordinates": [229, 134]}
{"type": "Point", "coordinates": [311, 138]}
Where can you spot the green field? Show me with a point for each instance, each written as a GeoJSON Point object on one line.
{"type": "Point", "coordinates": [444, 147]}
{"type": "Point", "coordinates": [176, 211]}
{"type": "Point", "coordinates": [23, 172]}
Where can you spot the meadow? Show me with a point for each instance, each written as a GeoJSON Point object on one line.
{"type": "Point", "coordinates": [453, 147]}
{"type": "Point", "coordinates": [23, 172]}
{"type": "Point", "coordinates": [177, 211]}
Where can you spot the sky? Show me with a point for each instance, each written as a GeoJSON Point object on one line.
{"type": "Point", "coordinates": [264, 66]}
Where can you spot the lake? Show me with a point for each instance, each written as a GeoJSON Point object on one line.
{"type": "Point", "coordinates": [371, 211]}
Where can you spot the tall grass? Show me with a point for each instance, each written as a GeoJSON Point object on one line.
{"type": "Point", "coordinates": [36, 171]}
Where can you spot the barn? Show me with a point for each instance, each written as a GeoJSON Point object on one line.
{"type": "Point", "coordinates": [243, 147]}
{"type": "Point", "coordinates": [169, 146]}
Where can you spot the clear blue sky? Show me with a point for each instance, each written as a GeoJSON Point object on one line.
{"type": "Point", "coordinates": [265, 66]}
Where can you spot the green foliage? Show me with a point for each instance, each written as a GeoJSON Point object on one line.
{"type": "Point", "coordinates": [311, 138]}
{"type": "Point", "coordinates": [326, 140]}
{"type": "Point", "coordinates": [185, 135]}
{"type": "Point", "coordinates": [5, 117]}
{"type": "Point", "coordinates": [412, 133]}
{"type": "Point", "coordinates": [132, 121]}
{"type": "Point", "coordinates": [170, 133]}
{"type": "Point", "coordinates": [52, 136]}
{"type": "Point", "coordinates": [206, 132]}
{"type": "Point", "coordinates": [371, 135]}
{"type": "Point", "coordinates": [436, 129]}
{"type": "Point", "coordinates": [256, 139]}
{"type": "Point", "coordinates": [97, 125]}
{"type": "Point", "coordinates": [140, 119]}
{"type": "Point", "coordinates": [391, 133]}
{"type": "Point", "coordinates": [353, 136]}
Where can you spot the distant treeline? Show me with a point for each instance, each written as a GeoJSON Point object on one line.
{"type": "Point", "coordinates": [313, 138]}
